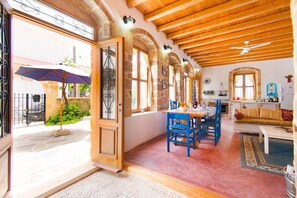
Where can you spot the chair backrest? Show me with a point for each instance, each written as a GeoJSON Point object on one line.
{"type": "Point", "coordinates": [178, 121]}
{"type": "Point", "coordinates": [218, 110]}
{"type": "Point", "coordinates": [173, 104]}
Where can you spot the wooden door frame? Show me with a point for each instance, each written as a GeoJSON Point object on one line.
{"type": "Point", "coordinates": [7, 140]}
{"type": "Point", "coordinates": [96, 109]}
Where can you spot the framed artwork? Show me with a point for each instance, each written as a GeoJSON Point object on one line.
{"type": "Point", "coordinates": [164, 84]}
{"type": "Point", "coordinates": [271, 90]}
{"type": "Point", "coordinates": [207, 81]}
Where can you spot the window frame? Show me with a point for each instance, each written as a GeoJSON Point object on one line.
{"type": "Point", "coordinates": [139, 80]}
{"type": "Point", "coordinates": [243, 84]}
{"type": "Point", "coordinates": [171, 85]}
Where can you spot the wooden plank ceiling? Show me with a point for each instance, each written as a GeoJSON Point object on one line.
{"type": "Point", "coordinates": [207, 29]}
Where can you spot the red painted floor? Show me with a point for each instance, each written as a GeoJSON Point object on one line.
{"type": "Point", "coordinates": [213, 167]}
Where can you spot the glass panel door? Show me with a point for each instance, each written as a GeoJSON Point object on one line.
{"type": "Point", "coordinates": [108, 82]}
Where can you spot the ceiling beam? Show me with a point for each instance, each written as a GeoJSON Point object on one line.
{"type": "Point", "coordinates": [260, 22]}
{"type": "Point", "coordinates": [205, 13]}
{"type": "Point", "coordinates": [228, 54]}
{"type": "Point", "coordinates": [206, 51]}
{"type": "Point", "coordinates": [134, 3]}
{"type": "Point", "coordinates": [245, 58]}
{"type": "Point", "coordinates": [248, 56]}
{"type": "Point", "coordinates": [244, 15]}
{"type": "Point", "coordinates": [170, 9]}
{"type": "Point", "coordinates": [244, 33]}
{"type": "Point", "coordinates": [286, 35]}
{"type": "Point", "coordinates": [242, 61]}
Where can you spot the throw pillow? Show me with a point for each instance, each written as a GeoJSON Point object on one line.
{"type": "Point", "coordinates": [270, 114]}
{"type": "Point", "coordinates": [287, 114]}
{"type": "Point", "coordinates": [250, 112]}
{"type": "Point", "coordinates": [238, 115]}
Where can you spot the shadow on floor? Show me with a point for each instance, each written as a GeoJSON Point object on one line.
{"type": "Point", "coordinates": [44, 140]}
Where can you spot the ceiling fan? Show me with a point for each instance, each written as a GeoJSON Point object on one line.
{"type": "Point", "coordinates": [247, 48]}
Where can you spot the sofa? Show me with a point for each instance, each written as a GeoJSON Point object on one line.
{"type": "Point", "coordinates": [249, 119]}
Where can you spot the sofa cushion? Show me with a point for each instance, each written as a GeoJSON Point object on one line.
{"type": "Point", "coordinates": [249, 112]}
{"type": "Point", "coordinates": [264, 121]}
{"type": "Point", "coordinates": [270, 114]}
{"type": "Point", "coordinates": [238, 115]}
{"type": "Point", "coordinates": [287, 114]}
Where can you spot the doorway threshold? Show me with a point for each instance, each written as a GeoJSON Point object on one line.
{"type": "Point", "coordinates": [60, 182]}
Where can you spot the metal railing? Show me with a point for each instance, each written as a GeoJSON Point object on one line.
{"type": "Point", "coordinates": [28, 108]}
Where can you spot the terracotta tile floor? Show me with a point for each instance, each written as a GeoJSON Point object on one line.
{"type": "Point", "coordinates": [216, 168]}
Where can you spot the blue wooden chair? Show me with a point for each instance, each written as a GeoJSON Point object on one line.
{"type": "Point", "coordinates": [173, 104]}
{"type": "Point", "coordinates": [210, 128]}
{"type": "Point", "coordinates": [179, 128]}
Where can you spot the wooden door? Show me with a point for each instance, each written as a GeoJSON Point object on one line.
{"type": "Point", "coordinates": [5, 103]}
{"type": "Point", "coordinates": [107, 137]}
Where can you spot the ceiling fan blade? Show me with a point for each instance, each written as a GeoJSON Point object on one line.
{"type": "Point", "coordinates": [259, 45]}
{"type": "Point", "coordinates": [242, 52]}
{"type": "Point", "coordinates": [236, 47]}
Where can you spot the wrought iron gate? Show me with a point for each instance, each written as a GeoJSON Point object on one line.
{"type": "Point", "coordinates": [28, 108]}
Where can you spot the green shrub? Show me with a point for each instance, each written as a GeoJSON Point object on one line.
{"type": "Point", "coordinates": [71, 114]}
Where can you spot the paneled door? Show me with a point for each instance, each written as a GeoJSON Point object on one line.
{"type": "Point", "coordinates": [5, 104]}
{"type": "Point", "coordinates": [107, 137]}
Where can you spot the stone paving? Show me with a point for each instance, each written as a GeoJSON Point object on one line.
{"type": "Point", "coordinates": [39, 157]}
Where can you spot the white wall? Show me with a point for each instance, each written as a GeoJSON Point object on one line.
{"type": "Point", "coordinates": [143, 127]}
{"type": "Point", "coordinates": [271, 71]}
{"type": "Point", "coordinates": [34, 42]}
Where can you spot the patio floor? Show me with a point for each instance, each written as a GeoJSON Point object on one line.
{"type": "Point", "coordinates": [38, 157]}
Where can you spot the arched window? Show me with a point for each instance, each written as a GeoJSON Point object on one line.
{"type": "Point", "coordinates": [171, 83]}
{"type": "Point", "coordinates": [140, 64]}
{"type": "Point", "coordinates": [245, 83]}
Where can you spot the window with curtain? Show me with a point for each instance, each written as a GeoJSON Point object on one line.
{"type": "Point", "coordinates": [171, 83]}
{"type": "Point", "coordinates": [244, 85]}
{"type": "Point", "coordinates": [140, 65]}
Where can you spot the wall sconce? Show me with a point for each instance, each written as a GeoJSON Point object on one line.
{"type": "Point", "coordinates": [185, 61]}
{"type": "Point", "coordinates": [129, 21]}
{"type": "Point", "coordinates": [167, 48]}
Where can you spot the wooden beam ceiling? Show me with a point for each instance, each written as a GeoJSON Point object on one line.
{"type": "Point", "coordinates": [205, 13]}
{"type": "Point", "coordinates": [207, 52]}
{"type": "Point", "coordinates": [134, 3]}
{"type": "Point", "coordinates": [274, 35]}
{"type": "Point", "coordinates": [235, 54]}
{"type": "Point", "coordinates": [170, 9]}
{"type": "Point", "coordinates": [263, 24]}
{"type": "Point", "coordinates": [251, 59]}
{"type": "Point", "coordinates": [233, 18]}
{"type": "Point", "coordinates": [206, 30]}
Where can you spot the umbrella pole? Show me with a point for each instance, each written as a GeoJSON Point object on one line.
{"type": "Point", "coordinates": [62, 104]}
{"type": "Point", "coordinates": [61, 131]}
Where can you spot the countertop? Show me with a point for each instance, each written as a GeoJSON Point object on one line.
{"type": "Point", "coordinates": [252, 102]}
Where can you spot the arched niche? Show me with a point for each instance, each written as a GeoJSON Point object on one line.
{"type": "Point", "coordinates": [144, 40]}
{"type": "Point", "coordinates": [245, 70]}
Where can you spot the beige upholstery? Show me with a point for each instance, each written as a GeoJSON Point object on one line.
{"type": "Point", "coordinates": [253, 118]}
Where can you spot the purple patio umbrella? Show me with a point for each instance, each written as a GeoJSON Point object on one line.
{"type": "Point", "coordinates": [58, 73]}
